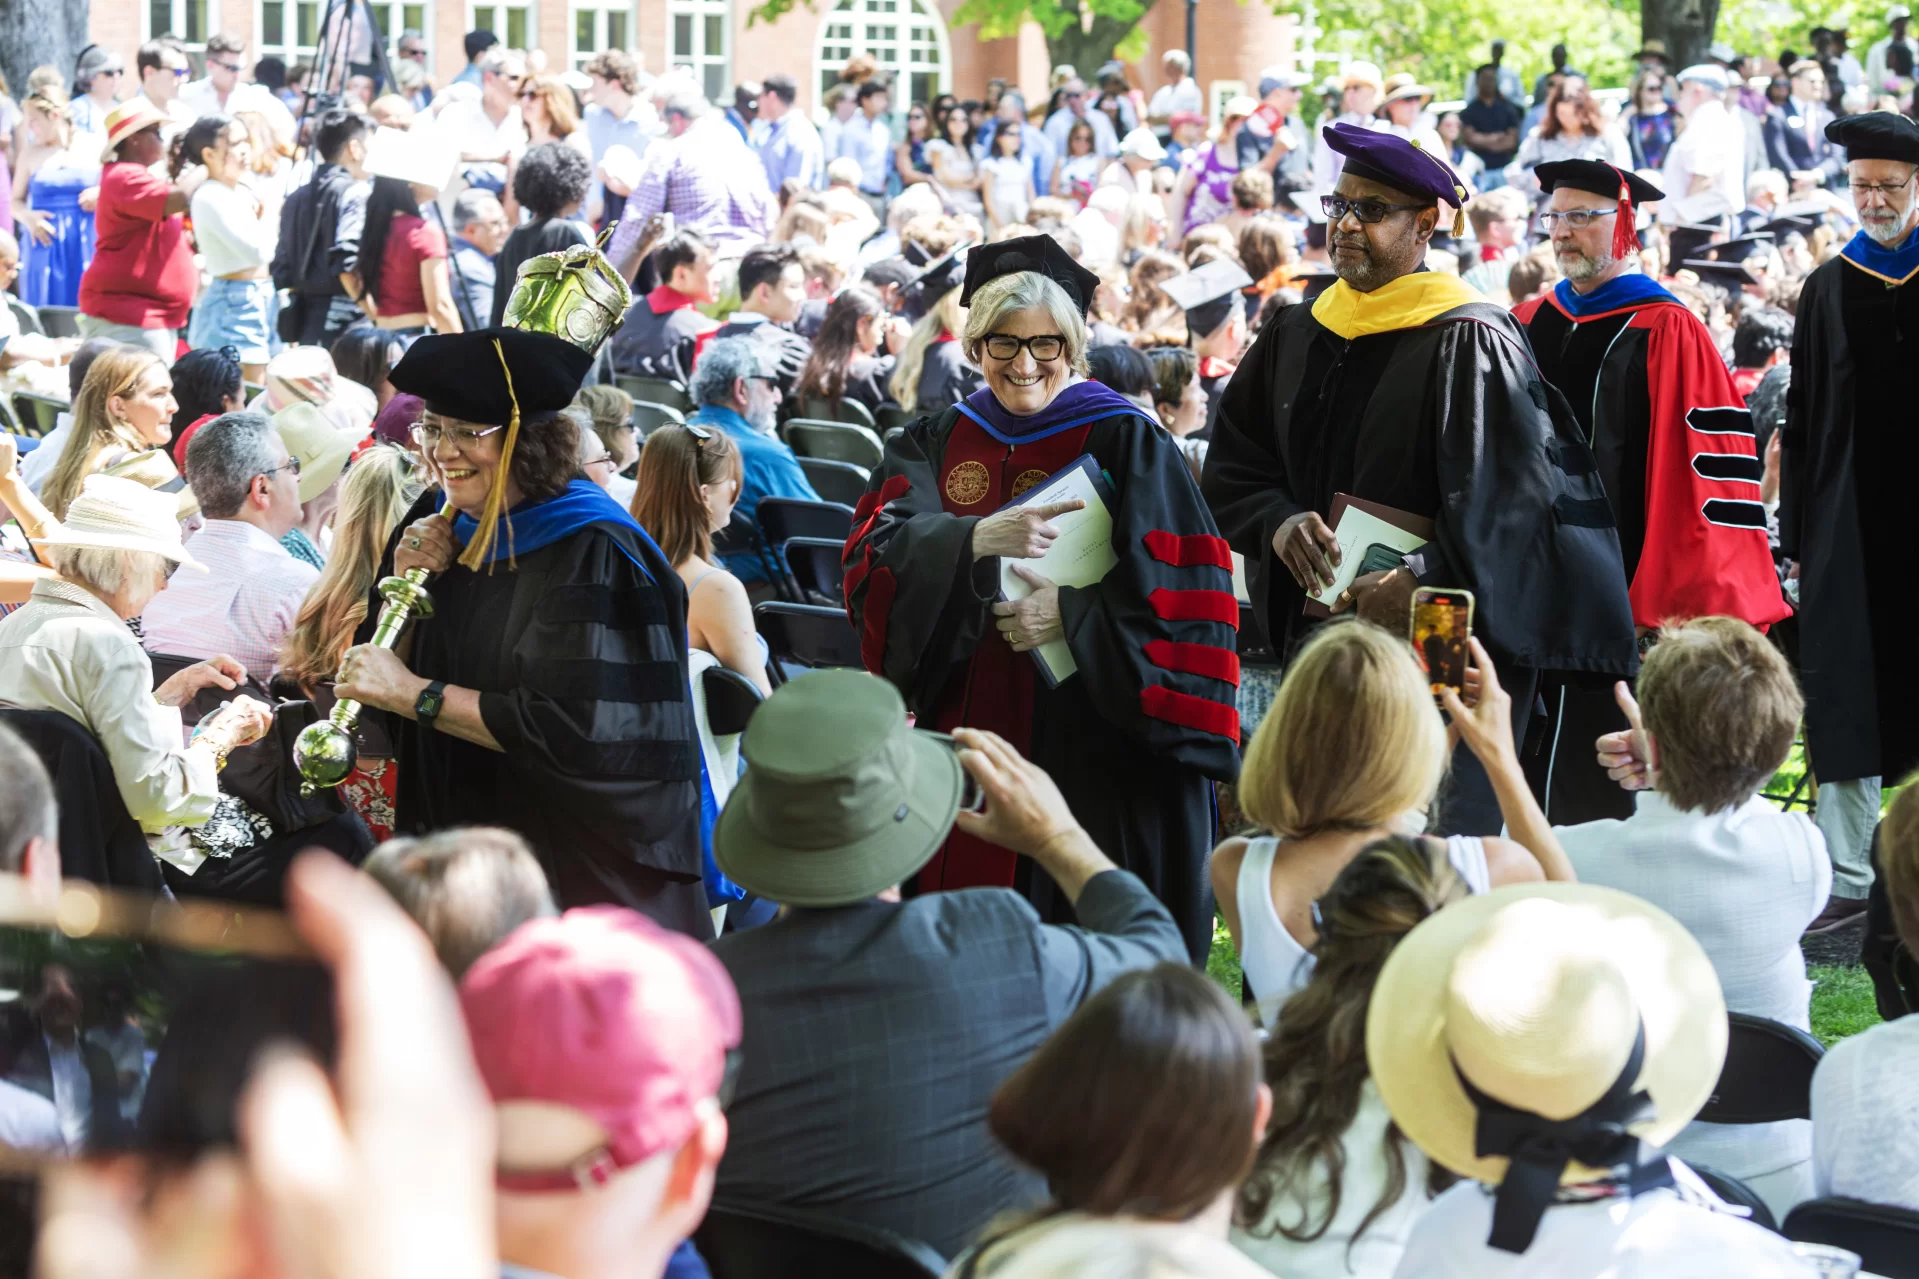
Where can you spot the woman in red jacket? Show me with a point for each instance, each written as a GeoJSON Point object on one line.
{"type": "Point", "coordinates": [140, 284]}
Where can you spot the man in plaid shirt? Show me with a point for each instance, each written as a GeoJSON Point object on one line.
{"type": "Point", "coordinates": [705, 175]}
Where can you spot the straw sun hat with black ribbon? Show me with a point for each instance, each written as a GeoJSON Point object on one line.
{"type": "Point", "coordinates": [113, 514]}
{"type": "Point", "coordinates": [1546, 1035]}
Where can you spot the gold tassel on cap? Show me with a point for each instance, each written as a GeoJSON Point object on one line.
{"type": "Point", "coordinates": [482, 544]}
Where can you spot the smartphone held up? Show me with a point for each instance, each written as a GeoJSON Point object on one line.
{"type": "Point", "coordinates": [1442, 621]}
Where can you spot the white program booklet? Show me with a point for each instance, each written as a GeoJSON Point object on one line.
{"type": "Point", "coordinates": [1080, 556]}
{"type": "Point", "coordinates": [1357, 530]}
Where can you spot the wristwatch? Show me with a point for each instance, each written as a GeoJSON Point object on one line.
{"type": "Point", "coordinates": [427, 708]}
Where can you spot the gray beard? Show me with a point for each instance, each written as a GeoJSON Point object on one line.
{"type": "Point", "coordinates": [1888, 232]}
{"type": "Point", "coordinates": [1581, 266]}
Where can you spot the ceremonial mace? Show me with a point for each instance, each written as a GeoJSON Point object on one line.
{"type": "Point", "coordinates": [325, 750]}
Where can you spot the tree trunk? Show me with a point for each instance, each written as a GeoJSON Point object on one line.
{"type": "Point", "coordinates": [1083, 50]}
{"type": "Point", "coordinates": [40, 33]}
{"type": "Point", "coordinates": [1685, 25]}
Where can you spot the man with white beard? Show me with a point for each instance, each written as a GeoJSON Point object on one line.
{"type": "Point", "coordinates": [1848, 453]}
{"type": "Point", "coordinates": [1672, 442]}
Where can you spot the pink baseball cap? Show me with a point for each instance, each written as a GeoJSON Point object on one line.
{"type": "Point", "coordinates": [604, 1011]}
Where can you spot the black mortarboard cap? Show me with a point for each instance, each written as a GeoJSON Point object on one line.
{"type": "Point", "coordinates": [1208, 293]}
{"type": "Point", "coordinates": [941, 276]}
{"type": "Point", "coordinates": [1741, 247]}
{"type": "Point", "coordinates": [1876, 135]}
{"type": "Point", "coordinates": [460, 375]}
{"type": "Point", "coordinates": [1597, 177]}
{"type": "Point", "coordinates": [1730, 276]}
{"type": "Point", "coordinates": [1313, 281]}
{"type": "Point", "coordinates": [1041, 253]}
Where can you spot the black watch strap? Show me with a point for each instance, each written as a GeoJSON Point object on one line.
{"type": "Point", "coordinates": [427, 708]}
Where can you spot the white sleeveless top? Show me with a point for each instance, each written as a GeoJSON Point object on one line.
{"type": "Point", "coordinates": [1275, 965]}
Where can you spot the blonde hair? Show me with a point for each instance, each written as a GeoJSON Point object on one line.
{"type": "Point", "coordinates": [1724, 706]}
{"type": "Point", "coordinates": [95, 429]}
{"type": "Point", "coordinates": [380, 486]}
{"type": "Point", "coordinates": [668, 502]}
{"type": "Point", "coordinates": [944, 316]}
{"type": "Point", "coordinates": [610, 408]}
{"type": "Point", "coordinates": [1008, 295]}
{"type": "Point", "coordinates": [1143, 214]}
{"type": "Point", "coordinates": [1352, 741]}
{"type": "Point", "coordinates": [561, 118]}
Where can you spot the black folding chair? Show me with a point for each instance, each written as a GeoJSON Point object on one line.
{"type": "Point", "coordinates": [1738, 1194]}
{"type": "Point", "coordinates": [1767, 1076]}
{"type": "Point", "coordinates": [740, 537]}
{"type": "Point", "coordinates": [891, 417]}
{"type": "Point", "coordinates": [784, 518]}
{"type": "Point", "coordinates": [28, 317]}
{"type": "Point", "coordinates": [740, 1242]}
{"type": "Point", "coordinates": [840, 482]}
{"type": "Point", "coordinates": [649, 417]}
{"type": "Point", "coordinates": [845, 409]}
{"type": "Point", "coordinates": [60, 321]}
{"type": "Point", "coordinates": [100, 842]}
{"type": "Point", "coordinates": [655, 390]}
{"type": "Point", "coordinates": [38, 414]}
{"type": "Point", "coordinates": [1886, 1238]}
{"type": "Point", "coordinates": [731, 699]}
{"type": "Point", "coordinates": [834, 441]}
{"type": "Point", "coordinates": [815, 566]}
{"type": "Point", "coordinates": [807, 636]}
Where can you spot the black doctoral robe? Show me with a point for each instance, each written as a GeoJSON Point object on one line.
{"type": "Point", "coordinates": [1134, 736]}
{"type": "Point", "coordinates": [1848, 455]}
{"type": "Point", "coordinates": [579, 654]}
{"type": "Point", "coordinates": [1447, 418]}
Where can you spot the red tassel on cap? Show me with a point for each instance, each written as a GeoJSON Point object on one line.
{"type": "Point", "coordinates": [1625, 235]}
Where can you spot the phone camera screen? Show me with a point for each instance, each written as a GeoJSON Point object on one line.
{"type": "Point", "coordinates": [1440, 627]}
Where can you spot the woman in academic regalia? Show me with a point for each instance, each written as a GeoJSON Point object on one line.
{"type": "Point", "coordinates": [547, 693]}
{"type": "Point", "coordinates": [1132, 735]}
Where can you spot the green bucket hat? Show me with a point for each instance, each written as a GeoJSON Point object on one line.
{"type": "Point", "coordinates": [841, 800]}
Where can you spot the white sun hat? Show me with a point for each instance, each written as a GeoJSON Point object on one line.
{"type": "Point", "coordinates": [122, 515]}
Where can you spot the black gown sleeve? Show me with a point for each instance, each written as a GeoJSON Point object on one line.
{"type": "Point", "coordinates": [598, 720]}
{"type": "Point", "coordinates": [1523, 521]}
{"type": "Point", "coordinates": [1154, 638]}
{"type": "Point", "coordinates": [1245, 479]}
{"type": "Point", "coordinates": [914, 592]}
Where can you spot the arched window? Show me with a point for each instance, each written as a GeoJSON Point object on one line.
{"type": "Point", "coordinates": [906, 36]}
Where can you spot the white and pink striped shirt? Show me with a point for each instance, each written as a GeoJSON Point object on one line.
{"type": "Point", "coordinates": [244, 605]}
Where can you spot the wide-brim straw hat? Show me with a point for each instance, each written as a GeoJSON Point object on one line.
{"type": "Point", "coordinates": [154, 469]}
{"type": "Point", "coordinates": [1361, 73]}
{"type": "Point", "coordinates": [122, 515]}
{"type": "Point", "coordinates": [1535, 993]}
{"type": "Point", "coordinates": [128, 119]}
{"type": "Point", "coordinates": [841, 800]}
{"type": "Point", "coordinates": [322, 447]}
{"type": "Point", "coordinates": [1404, 86]}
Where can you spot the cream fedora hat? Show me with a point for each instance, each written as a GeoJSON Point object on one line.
{"type": "Point", "coordinates": [116, 514]}
{"type": "Point", "coordinates": [1536, 998]}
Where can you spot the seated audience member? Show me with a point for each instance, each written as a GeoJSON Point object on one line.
{"type": "Point", "coordinates": [479, 232]}
{"type": "Point", "coordinates": [29, 820]}
{"type": "Point", "coordinates": [70, 650]}
{"type": "Point", "coordinates": [688, 482]}
{"type": "Point", "coordinates": [932, 371]}
{"type": "Point", "coordinates": [17, 348]}
{"type": "Point", "coordinates": [663, 333]}
{"type": "Point", "coordinates": [1353, 750]}
{"type": "Point", "coordinates": [307, 373]}
{"type": "Point", "coordinates": [1544, 1042]}
{"type": "Point", "coordinates": [206, 383]}
{"type": "Point", "coordinates": [467, 888]}
{"type": "Point", "coordinates": [380, 487]}
{"type": "Point", "coordinates": [735, 390]}
{"type": "Point", "coordinates": [888, 279]}
{"type": "Point", "coordinates": [1531, 275]}
{"type": "Point", "coordinates": [319, 453]}
{"type": "Point", "coordinates": [364, 355]}
{"type": "Point", "coordinates": [124, 407]}
{"type": "Point", "coordinates": [1179, 400]}
{"type": "Point", "coordinates": [846, 361]}
{"type": "Point", "coordinates": [1269, 251]}
{"type": "Point", "coordinates": [1499, 226]}
{"type": "Point", "coordinates": [551, 183]}
{"type": "Point", "coordinates": [772, 288]}
{"type": "Point", "coordinates": [1720, 707]}
{"type": "Point", "coordinates": [1762, 340]}
{"type": "Point", "coordinates": [604, 1041]}
{"type": "Point", "coordinates": [883, 1026]}
{"type": "Point", "coordinates": [1142, 1112]}
{"type": "Point", "coordinates": [612, 412]}
{"type": "Point", "coordinates": [1335, 1187]}
{"type": "Point", "coordinates": [824, 278]}
{"type": "Point", "coordinates": [246, 602]}
{"type": "Point", "coordinates": [36, 466]}
{"type": "Point", "coordinates": [1122, 369]}
{"type": "Point", "coordinates": [1863, 1133]}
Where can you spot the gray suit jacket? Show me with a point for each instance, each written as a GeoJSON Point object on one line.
{"type": "Point", "coordinates": [876, 1033]}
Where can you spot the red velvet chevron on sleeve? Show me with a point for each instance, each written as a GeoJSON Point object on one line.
{"type": "Point", "coordinates": [1188, 552]}
{"type": "Point", "coordinates": [1195, 606]}
{"type": "Point", "coordinates": [1187, 711]}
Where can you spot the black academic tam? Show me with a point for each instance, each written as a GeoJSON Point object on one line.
{"type": "Point", "coordinates": [464, 375]}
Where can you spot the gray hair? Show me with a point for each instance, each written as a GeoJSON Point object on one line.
{"type": "Point", "coordinates": [495, 59]}
{"type": "Point", "coordinates": [106, 569]}
{"type": "Point", "coordinates": [466, 888]}
{"type": "Point", "coordinates": [472, 206]}
{"type": "Point", "coordinates": [721, 365]}
{"type": "Point", "coordinates": [224, 457]}
{"type": "Point", "coordinates": [684, 100]}
{"type": "Point", "coordinates": [1177, 58]}
{"type": "Point", "coordinates": [592, 447]}
{"type": "Point", "coordinates": [1022, 291]}
{"type": "Point", "coordinates": [27, 810]}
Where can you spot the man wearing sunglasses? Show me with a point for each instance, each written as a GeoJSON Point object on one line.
{"type": "Point", "coordinates": [223, 91]}
{"type": "Point", "coordinates": [163, 68]}
{"type": "Point", "coordinates": [1844, 497]}
{"type": "Point", "coordinates": [1672, 440]}
{"type": "Point", "coordinates": [1406, 388]}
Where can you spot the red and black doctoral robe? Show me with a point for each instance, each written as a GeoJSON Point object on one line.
{"type": "Point", "coordinates": [1133, 738]}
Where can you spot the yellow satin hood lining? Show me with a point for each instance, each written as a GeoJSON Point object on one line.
{"type": "Point", "coordinates": [1405, 303]}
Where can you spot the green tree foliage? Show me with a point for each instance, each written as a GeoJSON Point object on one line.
{"type": "Point", "coordinates": [1081, 33]}
{"type": "Point", "coordinates": [1441, 41]}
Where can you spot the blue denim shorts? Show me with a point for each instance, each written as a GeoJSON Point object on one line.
{"type": "Point", "coordinates": [236, 313]}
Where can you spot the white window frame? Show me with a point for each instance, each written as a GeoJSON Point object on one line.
{"type": "Point", "coordinates": [176, 24]}
{"type": "Point", "coordinates": [865, 22]}
{"type": "Point", "coordinates": [603, 37]}
{"type": "Point", "coordinates": [293, 52]}
{"type": "Point", "coordinates": [713, 70]}
{"type": "Point", "coordinates": [501, 26]}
